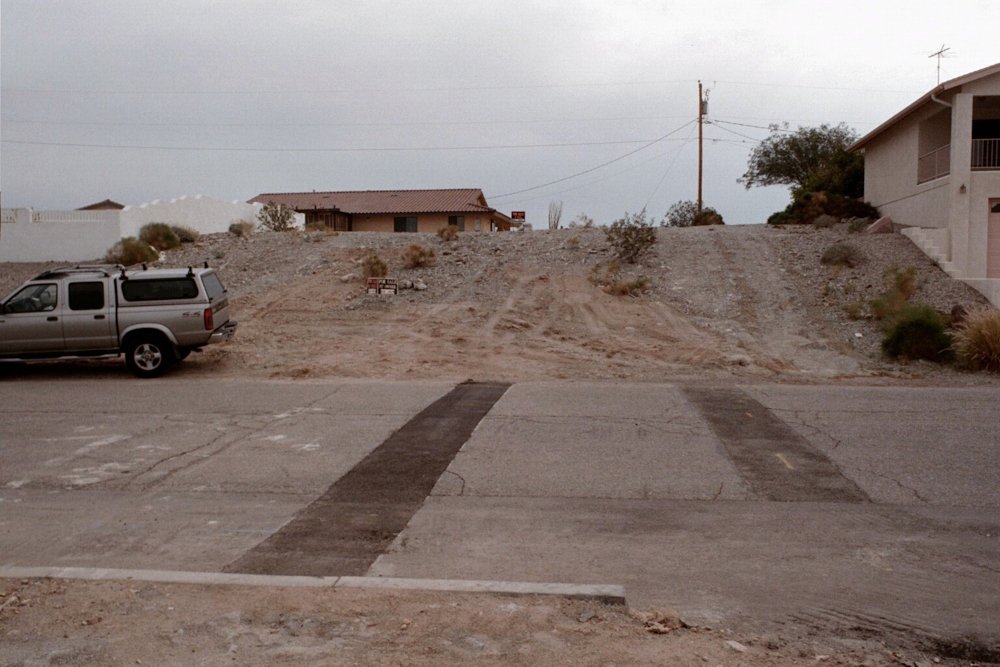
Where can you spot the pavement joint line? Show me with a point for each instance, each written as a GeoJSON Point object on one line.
{"type": "Point", "coordinates": [613, 594]}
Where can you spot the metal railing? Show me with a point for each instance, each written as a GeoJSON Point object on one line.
{"type": "Point", "coordinates": [985, 154]}
{"type": "Point", "coordinates": [934, 164]}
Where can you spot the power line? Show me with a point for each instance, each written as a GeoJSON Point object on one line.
{"type": "Point", "coordinates": [362, 149]}
{"type": "Point", "coordinates": [592, 169]}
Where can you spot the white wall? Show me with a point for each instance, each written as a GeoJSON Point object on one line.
{"type": "Point", "coordinates": [58, 236]}
{"type": "Point", "coordinates": [206, 215]}
{"type": "Point", "coordinates": [27, 235]}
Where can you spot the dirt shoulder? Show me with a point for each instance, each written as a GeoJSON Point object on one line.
{"type": "Point", "coordinates": [57, 622]}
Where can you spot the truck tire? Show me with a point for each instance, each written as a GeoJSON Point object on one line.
{"type": "Point", "coordinates": [148, 355]}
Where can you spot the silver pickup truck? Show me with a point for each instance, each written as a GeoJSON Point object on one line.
{"type": "Point", "coordinates": [156, 317]}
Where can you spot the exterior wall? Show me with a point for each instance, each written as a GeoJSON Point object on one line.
{"type": "Point", "coordinates": [57, 236]}
{"type": "Point", "coordinates": [426, 222]}
{"type": "Point", "coordinates": [891, 177]}
{"type": "Point", "coordinates": [208, 216]}
{"type": "Point", "coordinates": [985, 185]}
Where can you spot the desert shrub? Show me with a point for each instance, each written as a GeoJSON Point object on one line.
{"type": "Point", "coordinates": [276, 217]}
{"type": "Point", "coordinates": [448, 233]}
{"type": "Point", "coordinates": [241, 228]}
{"type": "Point", "coordinates": [131, 250]}
{"type": "Point", "coordinates": [374, 266]}
{"type": "Point", "coordinates": [902, 280]}
{"type": "Point", "coordinates": [417, 256]}
{"type": "Point", "coordinates": [159, 235]}
{"type": "Point", "coordinates": [977, 339]}
{"type": "Point", "coordinates": [685, 214]}
{"type": "Point", "coordinates": [582, 220]}
{"type": "Point", "coordinates": [631, 237]}
{"type": "Point", "coordinates": [917, 332]}
{"type": "Point", "coordinates": [628, 286]}
{"type": "Point", "coordinates": [186, 234]}
{"type": "Point", "coordinates": [842, 254]}
{"type": "Point", "coordinates": [854, 310]}
{"type": "Point", "coordinates": [858, 225]}
{"type": "Point", "coordinates": [805, 208]}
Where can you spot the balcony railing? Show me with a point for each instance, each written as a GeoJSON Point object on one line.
{"type": "Point", "coordinates": [985, 154]}
{"type": "Point", "coordinates": [935, 164]}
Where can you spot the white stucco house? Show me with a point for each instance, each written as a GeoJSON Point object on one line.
{"type": "Point", "coordinates": [934, 167]}
{"type": "Point", "coordinates": [29, 235]}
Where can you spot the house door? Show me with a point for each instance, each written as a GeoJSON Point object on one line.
{"type": "Point", "coordinates": [993, 242]}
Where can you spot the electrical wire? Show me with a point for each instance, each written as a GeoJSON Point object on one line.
{"type": "Point", "coordinates": [603, 164]}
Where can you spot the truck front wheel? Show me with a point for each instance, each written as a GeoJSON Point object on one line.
{"type": "Point", "coordinates": [148, 356]}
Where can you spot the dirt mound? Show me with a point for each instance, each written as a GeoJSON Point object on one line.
{"type": "Point", "coordinates": [750, 301]}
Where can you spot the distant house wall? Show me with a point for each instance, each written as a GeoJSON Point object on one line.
{"type": "Point", "coordinates": [426, 222]}
{"type": "Point", "coordinates": [27, 235]}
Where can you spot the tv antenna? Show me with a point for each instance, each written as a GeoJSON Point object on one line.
{"type": "Point", "coordinates": [939, 54]}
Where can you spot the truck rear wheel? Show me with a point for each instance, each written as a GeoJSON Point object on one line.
{"type": "Point", "coordinates": [148, 355]}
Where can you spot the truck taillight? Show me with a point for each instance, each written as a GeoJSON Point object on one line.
{"type": "Point", "coordinates": [209, 320]}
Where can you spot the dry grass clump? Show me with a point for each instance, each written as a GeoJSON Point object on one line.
{"type": "Point", "coordinates": [448, 233]}
{"type": "Point", "coordinates": [977, 339]}
{"type": "Point", "coordinates": [242, 228]}
{"type": "Point", "coordinates": [131, 250]}
{"type": "Point", "coordinates": [186, 234]}
{"type": "Point", "coordinates": [902, 283]}
{"type": "Point", "coordinates": [842, 254]}
{"type": "Point", "coordinates": [374, 266]}
{"type": "Point", "coordinates": [417, 256]}
{"type": "Point", "coordinates": [159, 235]}
{"type": "Point", "coordinates": [628, 286]}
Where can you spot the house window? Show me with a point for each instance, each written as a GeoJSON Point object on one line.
{"type": "Point", "coordinates": [405, 224]}
{"type": "Point", "coordinates": [457, 221]}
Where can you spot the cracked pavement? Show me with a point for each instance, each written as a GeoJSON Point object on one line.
{"type": "Point", "coordinates": [559, 482]}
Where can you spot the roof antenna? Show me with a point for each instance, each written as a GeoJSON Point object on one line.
{"type": "Point", "coordinates": [939, 54]}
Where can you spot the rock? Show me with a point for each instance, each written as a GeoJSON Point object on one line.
{"type": "Point", "coordinates": [405, 283]}
{"type": "Point", "coordinates": [736, 646]}
{"type": "Point", "coordinates": [883, 225]}
{"type": "Point", "coordinates": [348, 277]}
{"type": "Point", "coordinates": [419, 285]}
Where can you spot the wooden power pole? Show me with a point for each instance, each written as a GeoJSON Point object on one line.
{"type": "Point", "coordinates": [701, 114]}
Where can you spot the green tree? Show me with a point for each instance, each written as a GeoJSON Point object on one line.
{"type": "Point", "coordinates": [810, 159]}
{"type": "Point", "coordinates": [631, 237]}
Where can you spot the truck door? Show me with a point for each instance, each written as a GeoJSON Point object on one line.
{"type": "Point", "coordinates": [87, 322]}
{"type": "Point", "coordinates": [30, 321]}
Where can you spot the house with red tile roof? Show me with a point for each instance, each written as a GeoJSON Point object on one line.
{"type": "Point", "coordinates": [393, 210]}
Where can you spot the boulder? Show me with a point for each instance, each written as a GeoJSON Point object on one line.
{"type": "Point", "coordinates": [881, 226]}
{"type": "Point", "coordinates": [825, 221]}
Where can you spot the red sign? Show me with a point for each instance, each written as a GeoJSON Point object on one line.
{"type": "Point", "coordinates": [517, 215]}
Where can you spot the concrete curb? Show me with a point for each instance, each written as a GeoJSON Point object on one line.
{"type": "Point", "coordinates": [605, 593]}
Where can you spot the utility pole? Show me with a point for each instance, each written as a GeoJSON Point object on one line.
{"type": "Point", "coordinates": [701, 114]}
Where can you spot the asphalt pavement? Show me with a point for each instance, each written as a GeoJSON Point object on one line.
{"type": "Point", "coordinates": [745, 506]}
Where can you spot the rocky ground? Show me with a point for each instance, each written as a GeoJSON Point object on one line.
{"type": "Point", "coordinates": [751, 302]}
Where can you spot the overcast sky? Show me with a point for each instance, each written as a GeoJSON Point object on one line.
{"type": "Point", "coordinates": [136, 100]}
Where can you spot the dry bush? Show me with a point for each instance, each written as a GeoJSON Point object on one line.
{"type": "Point", "coordinates": [241, 228]}
{"type": "Point", "coordinates": [631, 237]}
{"type": "Point", "coordinates": [374, 266]}
{"type": "Point", "coordinates": [904, 280]}
{"type": "Point", "coordinates": [448, 233]}
{"type": "Point", "coordinates": [842, 254]}
{"type": "Point", "coordinates": [131, 250]}
{"type": "Point", "coordinates": [977, 339]}
{"type": "Point", "coordinates": [418, 256]}
{"type": "Point", "coordinates": [159, 235]}
{"type": "Point", "coordinates": [628, 286]}
{"type": "Point", "coordinates": [186, 234]}
{"type": "Point", "coordinates": [854, 310]}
